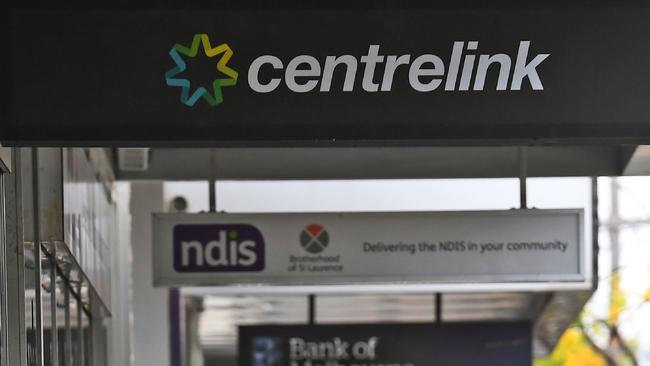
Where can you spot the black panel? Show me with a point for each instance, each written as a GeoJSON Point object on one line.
{"type": "Point", "coordinates": [96, 76]}
{"type": "Point", "coordinates": [458, 344]}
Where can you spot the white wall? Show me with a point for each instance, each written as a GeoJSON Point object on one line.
{"type": "Point", "coordinates": [351, 195]}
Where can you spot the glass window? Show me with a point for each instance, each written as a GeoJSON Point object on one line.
{"type": "Point", "coordinates": [100, 339]}
{"type": "Point", "coordinates": [87, 339]}
{"type": "Point", "coordinates": [75, 331]}
{"type": "Point", "coordinates": [62, 321]}
{"type": "Point", "coordinates": [47, 319]}
{"type": "Point", "coordinates": [3, 278]}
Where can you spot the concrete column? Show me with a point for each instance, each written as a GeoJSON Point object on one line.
{"type": "Point", "coordinates": [150, 305]}
{"type": "Point", "coordinates": [121, 282]}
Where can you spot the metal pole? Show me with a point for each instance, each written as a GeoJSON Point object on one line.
{"type": "Point", "coordinates": [175, 327]}
{"type": "Point", "coordinates": [312, 309]}
{"type": "Point", "coordinates": [523, 167]}
{"type": "Point", "coordinates": [4, 335]}
{"type": "Point", "coordinates": [595, 227]}
{"type": "Point", "coordinates": [438, 314]}
{"type": "Point", "coordinates": [38, 278]}
{"type": "Point", "coordinates": [212, 180]}
{"type": "Point", "coordinates": [614, 234]}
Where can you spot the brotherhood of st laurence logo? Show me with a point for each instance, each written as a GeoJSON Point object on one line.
{"type": "Point", "coordinates": [211, 94]}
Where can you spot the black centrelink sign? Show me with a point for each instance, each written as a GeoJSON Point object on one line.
{"type": "Point", "coordinates": [317, 75]}
{"type": "Point", "coordinates": [503, 343]}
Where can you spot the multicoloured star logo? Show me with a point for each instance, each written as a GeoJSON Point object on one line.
{"type": "Point", "coordinates": [215, 96]}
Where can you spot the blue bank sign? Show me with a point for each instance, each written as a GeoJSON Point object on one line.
{"type": "Point", "coordinates": [467, 344]}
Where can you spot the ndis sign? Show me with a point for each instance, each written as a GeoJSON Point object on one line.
{"type": "Point", "coordinates": [218, 248]}
{"type": "Point", "coordinates": [387, 251]}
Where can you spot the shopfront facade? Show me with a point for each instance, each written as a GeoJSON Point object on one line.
{"type": "Point", "coordinates": [55, 260]}
{"type": "Point", "coordinates": [172, 91]}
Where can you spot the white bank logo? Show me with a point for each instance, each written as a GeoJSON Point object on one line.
{"type": "Point", "coordinates": [467, 70]}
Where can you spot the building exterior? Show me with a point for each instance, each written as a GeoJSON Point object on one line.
{"type": "Point", "coordinates": [289, 91]}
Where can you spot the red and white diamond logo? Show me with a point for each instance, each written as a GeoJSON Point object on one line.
{"type": "Point", "coordinates": [314, 238]}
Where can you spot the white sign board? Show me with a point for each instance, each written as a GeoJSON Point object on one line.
{"type": "Point", "coordinates": [480, 250]}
